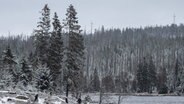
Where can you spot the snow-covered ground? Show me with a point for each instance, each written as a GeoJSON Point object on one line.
{"type": "Point", "coordinates": [7, 97]}
{"type": "Point", "coordinates": [153, 100]}
{"type": "Point", "coordinates": [113, 99]}
{"type": "Point", "coordinates": [107, 99]}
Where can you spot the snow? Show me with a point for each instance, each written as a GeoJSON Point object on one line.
{"type": "Point", "coordinates": [153, 100]}
{"type": "Point", "coordinates": [8, 98]}
{"type": "Point", "coordinates": [138, 99]}
{"type": "Point", "coordinates": [107, 99]}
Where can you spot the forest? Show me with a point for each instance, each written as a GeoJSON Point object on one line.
{"type": "Point", "coordinates": [61, 57]}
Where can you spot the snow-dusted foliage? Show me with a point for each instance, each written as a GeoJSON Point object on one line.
{"type": "Point", "coordinates": [43, 78]}
{"type": "Point", "coordinates": [25, 73]}
{"type": "Point", "coordinates": [55, 55]}
{"type": "Point", "coordinates": [75, 49]}
{"type": "Point", "coordinates": [179, 77]}
{"type": "Point", "coordinates": [41, 36]}
{"type": "Point", "coordinates": [9, 62]}
{"type": "Point", "coordinates": [95, 82]}
{"type": "Point", "coordinates": [6, 80]}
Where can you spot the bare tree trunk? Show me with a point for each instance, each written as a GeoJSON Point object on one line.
{"type": "Point", "coordinates": [119, 99]}
{"type": "Point", "coordinates": [67, 90]}
{"type": "Point", "coordinates": [101, 95]}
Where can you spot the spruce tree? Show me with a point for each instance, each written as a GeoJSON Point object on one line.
{"type": "Point", "coordinates": [162, 81]}
{"type": "Point", "coordinates": [142, 76]}
{"type": "Point", "coordinates": [176, 74]}
{"type": "Point", "coordinates": [55, 56]}
{"type": "Point", "coordinates": [9, 63]}
{"type": "Point", "coordinates": [152, 79]}
{"type": "Point", "coordinates": [6, 79]}
{"type": "Point", "coordinates": [75, 48]}
{"type": "Point", "coordinates": [95, 81]}
{"type": "Point", "coordinates": [108, 83]}
{"type": "Point", "coordinates": [26, 73]}
{"type": "Point", "coordinates": [179, 77]}
{"type": "Point", "coordinates": [41, 36]}
{"type": "Point", "coordinates": [43, 78]}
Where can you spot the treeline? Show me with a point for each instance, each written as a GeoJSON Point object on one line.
{"type": "Point", "coordinates": [146, 59]}
{"type": "Point", "coordinates": [130, 60]}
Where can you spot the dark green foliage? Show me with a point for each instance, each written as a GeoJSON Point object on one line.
{"type": "Point", "coordinates": [43, 80]}
{"type": "Point", "coordinates": [177, 70]}
{"type": "Point", "coordinates": [41, 36]}
{"type": "Point", "coordinates": [179, 77]}
{"type": "Point", "coordinates": [163, 90]}
{"type": "Point", "coordinates": [146, 76]}
{"type": "Point", "coordinates": [9, 63]}
{"type": "Point", "coordinates": [95, 82]}
{"type": "Point", "coordinates": [162, 81]}
{"type": "Point", "coordinates": [8, 57]}
{"type": "Point", "coordinates": [152, 75]}
{"type": "Point", "coordinates": [108, 83]}
{"type": "Point", "coordinates": [75, 48]}
{"type": "Point", "coordinates": [26, 73]}
{"type": "Point", "coordinates": [142, 76]}
{"type": "Point", "coordinates": [55, 55]}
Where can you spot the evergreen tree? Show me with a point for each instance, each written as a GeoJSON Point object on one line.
{"type": "Point", "coordinates": [152, 79]}
{"type": "Point", "coordinates": [108, 83]}
{"type": "Point", "coordinates": [43, 78]}
{"type": "Point", "coordinates": [5, 80]}
{"type": "Point", "coordinates": [32, 60]}
{"type": "Point", "coordinates": [162, 81]}
{"type": "Point", "coordinates": [176, 74]}
{"type": "Point", "coordinates": [142, 76]}
{"type": "Point", "coordinates": [179, 77]}
{"type": "Point", "coordinates": [41, 36]}
{"type": "Point", "coordinates": [56, 50]}
{"type": "Point", "coordinates": [75, 48]}
{"type": "Point", "coordinates": [26, 73]}
{"type": "Point", "coordinates": [9, 63]}
{"type": "Point", "coordinates": [180, 87]}
{"type": "Point", "coordinates": [95, 83]}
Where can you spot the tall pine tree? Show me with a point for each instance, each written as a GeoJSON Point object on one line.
{"type": "Point", "coordinates": [55, 56]}
{"type": "Point", "coordinates": [41, 36]}
{"type": "Point", "coordinates": [75, 48]}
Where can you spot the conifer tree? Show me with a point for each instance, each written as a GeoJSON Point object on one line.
{"type": "Point", "coordinates": [179, 77]}
{"type": "Point", "coordinates": [176, 74]}
{"type": "Point", "coordinates": [43, 78]}
{"type": "Point", "coordinates": [26, 73]}
{"type": "Point", "coordinates": [55, 56]}
{"type": "Point", "coordinates": [9, 63]}
{"type": "Point", "coordinates": [41, 36]}
{"type": "Point", "coordinates": [152, 79]}
{"type": "Point", "coordinates": [95, 81]}
{"type": "Point", "coordinates": [75, 48]}
{"type": "Point", "coordinates": [108, 83]}
{"type": "Point", "coordinates": [162, 81]}
{"type": "Point", "coordinates": [6, 79]}
{"type": "Point", "coordinates": [142, 76]}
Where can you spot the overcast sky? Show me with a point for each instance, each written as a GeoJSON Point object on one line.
{"type": "Point", "coordinates": [21, 16]}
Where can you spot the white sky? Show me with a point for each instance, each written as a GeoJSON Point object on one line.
{"type": "Point", "coordinates": [21, 16]}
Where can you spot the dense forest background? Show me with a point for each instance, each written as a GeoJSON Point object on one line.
{"type": "Point", "coordinates": [122, 60]}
